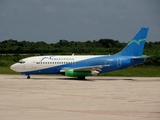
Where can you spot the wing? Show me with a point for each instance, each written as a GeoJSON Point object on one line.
{"type": "Point", "coordinates": [86, 68]}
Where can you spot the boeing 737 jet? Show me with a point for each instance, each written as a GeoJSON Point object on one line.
{"type": "Point", "coordinates": [81, 66]}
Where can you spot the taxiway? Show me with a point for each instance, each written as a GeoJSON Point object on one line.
{"type": "Point", "coordinates": [62, 98]}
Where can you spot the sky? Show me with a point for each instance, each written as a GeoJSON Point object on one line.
{"type": "Point", "coordinates": [78, 20]}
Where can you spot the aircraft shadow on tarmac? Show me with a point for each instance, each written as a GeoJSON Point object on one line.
{"type": "Point", "coordinates": [92, 79]}
{"type": "Point", "coordinates": [50, 78]}
{"type": "Point", "coordinates": [110, 79]}
{"type": "Point", "coordinates": [75, 79]}
{"type": "Point", "coordinates": [99, 79]}
{"type": "Point", "coordinates": [87, 79]}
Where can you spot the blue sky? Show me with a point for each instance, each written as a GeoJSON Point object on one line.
{"type": "Point", "coordinates": [78, 20]}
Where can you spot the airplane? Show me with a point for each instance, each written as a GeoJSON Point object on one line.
{"type": "Point", "coordinates": [81, 66]}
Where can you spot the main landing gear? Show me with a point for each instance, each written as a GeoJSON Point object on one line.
{"type": "Point", "coordinates": [81, 78]}
{"type": "Point", "coordinates": [28, 77]}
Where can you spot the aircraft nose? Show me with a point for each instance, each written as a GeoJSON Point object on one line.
{"type": "Point", "coordinates": [13, 67]}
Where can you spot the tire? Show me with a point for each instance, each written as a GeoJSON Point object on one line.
{"type": "Point", "coordinates": [81, 78]}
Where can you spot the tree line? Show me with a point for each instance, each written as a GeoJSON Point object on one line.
{"type": "Point", "coordinates": [64, 47]}
{"type": "Point", "coordinates": [102, 46]}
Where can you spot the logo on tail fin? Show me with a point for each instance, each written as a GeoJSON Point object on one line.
{"type": "Point", "coordinates": [137, 42]}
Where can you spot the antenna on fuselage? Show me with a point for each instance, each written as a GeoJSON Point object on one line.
{"type": "Point", "coordinates": [72, 54]}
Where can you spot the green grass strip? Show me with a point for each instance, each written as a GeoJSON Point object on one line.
{"type": "Point", "coordinates": [147, 71]}
{"type": "Point", "coordinates": [7, 70]}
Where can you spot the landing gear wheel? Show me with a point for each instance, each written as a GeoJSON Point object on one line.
{"type": "Point", "coordinates": [28, 77]}
{"type": "Point", "coordinates": [81, 78]}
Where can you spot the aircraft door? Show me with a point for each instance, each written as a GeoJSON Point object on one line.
{"type": "Point", "coordinates": [33, 64]}
{"type": "Point", "coordinates": [119, 62]}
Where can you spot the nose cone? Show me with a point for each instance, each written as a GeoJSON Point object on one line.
{"type": "Point", "coordinates": [14, 67]}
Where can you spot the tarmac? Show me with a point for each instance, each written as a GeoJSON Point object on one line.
{"type": "Point", "coordinates": [62, 98]}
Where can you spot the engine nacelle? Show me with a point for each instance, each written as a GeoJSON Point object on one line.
{"type": "Point", "coordinates": [72, 73]}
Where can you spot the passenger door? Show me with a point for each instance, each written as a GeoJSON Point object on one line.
{"type": "Point", "coordinates": [119, 62]}
{"type": "Point", "coordinates": [33, 64]}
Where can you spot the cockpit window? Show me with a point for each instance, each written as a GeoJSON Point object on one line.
{"type": "Point", "coordinates": [21, 61]}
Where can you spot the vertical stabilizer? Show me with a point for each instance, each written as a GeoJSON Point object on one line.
{"type": "Point", "coordinates": [136, 45]}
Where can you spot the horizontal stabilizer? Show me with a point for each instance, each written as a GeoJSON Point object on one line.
{"type": "Point", "coordinates": [141, 57]}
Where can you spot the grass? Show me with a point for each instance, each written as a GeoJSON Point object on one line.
{"type": "Point", "coordinates": [7, 70]}
{"type": "Point", "coordinates": [147, 71]}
